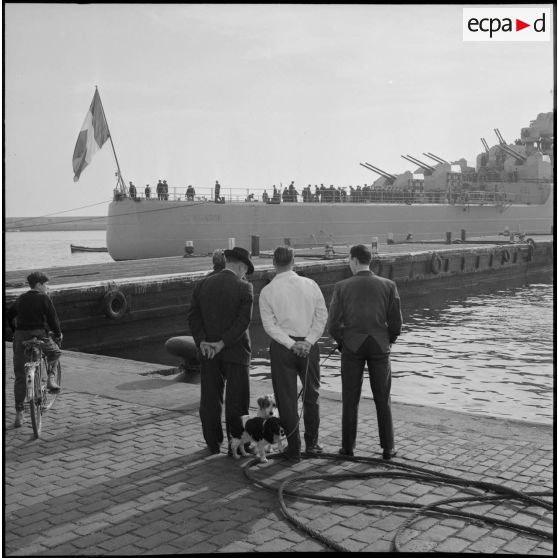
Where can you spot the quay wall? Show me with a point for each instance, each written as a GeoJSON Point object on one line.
{"type": "Point", "coordinates": [156, 305]}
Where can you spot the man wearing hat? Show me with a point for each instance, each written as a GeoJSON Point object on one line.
{"type": "Point", "coordinates": [218, 261]}
{"type": "Point", "coordinates": [219, 316]}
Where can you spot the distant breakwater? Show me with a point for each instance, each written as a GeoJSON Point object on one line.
{"type": "Point", "coordinates": [67, 223]}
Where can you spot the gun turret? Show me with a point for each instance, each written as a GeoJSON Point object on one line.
{"type": "Point", "coordinates": [419, 163]}
{"type": "Point", "coordinates": [507, 149]}
{"type": "Point", "coordinates": [385, 174]}
{"type": "Point", "coordinates": [436, 158]}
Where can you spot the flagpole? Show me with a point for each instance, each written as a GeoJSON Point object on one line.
{"type": "Point", "coordinates": [120, 179]}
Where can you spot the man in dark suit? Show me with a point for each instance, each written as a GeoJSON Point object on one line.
{"type": "Point", "coordinates": [219, 315]}
{"type": "Point", "coordinates": [365, 319]}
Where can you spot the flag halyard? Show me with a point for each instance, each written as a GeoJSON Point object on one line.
{"type": "Point", "coordinates": [92, 136]}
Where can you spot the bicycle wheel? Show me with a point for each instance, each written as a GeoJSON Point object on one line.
{"type": "Point", "coordinates": [49, 397]}
{"type": "Point", "coordinates": [35, 393]}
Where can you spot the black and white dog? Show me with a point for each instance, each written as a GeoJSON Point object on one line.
{"type": "Point", "coordinates": [262, 432]}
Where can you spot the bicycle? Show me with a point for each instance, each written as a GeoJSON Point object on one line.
{"type": "Point", "coordinates": [38, 397]}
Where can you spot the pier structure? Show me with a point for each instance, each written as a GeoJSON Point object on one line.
{"type": "Point", "coordinates": [105, 305]}
{"type": "Point", "coordinates": [121, 468]}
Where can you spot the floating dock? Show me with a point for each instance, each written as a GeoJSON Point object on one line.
{"type": "Point", "coordinates": [103, 305]}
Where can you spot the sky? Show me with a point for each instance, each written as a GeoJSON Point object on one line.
{"type": "Point", "coordinates": [251, 95]}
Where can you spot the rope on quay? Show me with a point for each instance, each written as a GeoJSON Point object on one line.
{"type": "Point", "coordinates": [420, 474]}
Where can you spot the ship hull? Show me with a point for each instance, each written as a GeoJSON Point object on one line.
{"type": "Point", "coordinates": [158, 228]}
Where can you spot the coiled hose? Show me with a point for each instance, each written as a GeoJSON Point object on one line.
{"type": "Point", "coordinates": [409, 472]}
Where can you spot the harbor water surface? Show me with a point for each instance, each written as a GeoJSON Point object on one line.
{"type": "Point", "coordinates": [486, 350]}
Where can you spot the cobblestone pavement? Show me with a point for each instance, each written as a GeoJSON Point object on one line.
{"type": "Point", "coordinates": [113, 476]}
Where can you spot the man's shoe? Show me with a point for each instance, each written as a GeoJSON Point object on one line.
{"type": "Point", "coordinates": [19, 419]}
{"type": "Point", "coordinates": [389, 453]}
{"type": "Point", "coordinates": [213, 450]}
{"type": "Point", "coordinates": [291, 456]}
{"type": "Point", "coordinates": [314, 449]}
{"type": "Point", "coordinates": [346, 453]}
{"type": "Point", "coordinates": [51, 383]}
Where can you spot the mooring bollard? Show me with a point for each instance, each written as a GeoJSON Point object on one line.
{"type": "Point", "coordinates": [231, 243]}
{"type": "Point", "coordinates": [463, 235]}
{"type": "Point", "coordinates": [448, 237]}
{"type": "Point", "coordinates": [188, 248]}
{"type": "Point", "coordinates": [374, 246]}
{"type": "Point", "coordinates": [255, 245]}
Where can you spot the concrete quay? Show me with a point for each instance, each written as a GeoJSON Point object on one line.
{"type": "Point", "coordinates": [121, 468]}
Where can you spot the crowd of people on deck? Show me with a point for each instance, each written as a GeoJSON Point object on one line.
{"type": "Point", "coordinates": [369, 193]}
{"type": "Point", "coordinates": [339, 194]}
{"type": "Point", "coordinates": [162, 191]}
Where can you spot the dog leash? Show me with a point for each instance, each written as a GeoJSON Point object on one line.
{"type": "Point", "coordinates": [321, 364]}
{"type": "Point", "coordinates": [303, 389]}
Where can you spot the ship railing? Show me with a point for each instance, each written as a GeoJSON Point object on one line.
{"type": "Point", "coordinates": [380, 195]}
{"type": "Point", "coordinates": [498, 179]}
{"type": "Point", "coordinates": [231, 196]}
{"type": "Point", "coordinates": [482, 197]}
{"type": "Point", "coordinates": [226, 195]}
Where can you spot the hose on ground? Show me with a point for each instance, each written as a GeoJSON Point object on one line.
{"type": "Point", "coordinates": [426, 476]}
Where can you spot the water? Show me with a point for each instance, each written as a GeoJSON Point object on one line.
{"type": "Point", "coordinates": [42, 249]}
{"type": "Point", "coordinates": [488, 350]}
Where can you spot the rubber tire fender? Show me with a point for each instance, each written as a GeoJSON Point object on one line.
{"type": "Point", "coordinates": [506, 255]}
{"type": "Point", "coordinates": [435, 263]}
{"type": "Point", "coordinates": [532, 248]}
{"type": "Point", "coordinates": [111, 299]}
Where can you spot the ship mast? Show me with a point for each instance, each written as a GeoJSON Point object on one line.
{"type": "Point", "coordinates": [120, 181]}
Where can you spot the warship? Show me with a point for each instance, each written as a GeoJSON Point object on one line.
{"type": "Point", "coordinates": [511, 189]}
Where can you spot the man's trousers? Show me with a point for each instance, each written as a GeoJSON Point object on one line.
{"type": "Point", "coordinates": [50, 349]}
{"type": "Point", "coordinates": [379, 372]}
{"type": "Point", "coordinates": [215, 375]}
{"type": "Point", "coordinates": [286, 367]}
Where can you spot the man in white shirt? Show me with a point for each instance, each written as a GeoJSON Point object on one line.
{"type": "Point", "coordinates": [294, 315]}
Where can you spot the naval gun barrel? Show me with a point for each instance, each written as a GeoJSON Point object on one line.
{"type": "Point", "coordinates": [499, 136]}
{"type": "Point", "coordinates": [416, 161]}
{"type": "Point", "coordinates": [485, 144]}
{"type": "Point", "coordinates": [378, 171]}
{"type": "Point", "coordinates": [509, 151]}
{"type": "Point", "coordinates": [436, 158]}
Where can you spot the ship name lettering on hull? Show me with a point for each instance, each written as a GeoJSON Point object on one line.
{"type": "Point", "coordinates": [205, 218]}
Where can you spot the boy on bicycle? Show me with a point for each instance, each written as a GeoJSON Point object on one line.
{"type": "Point", "coordinates": [33, 315]}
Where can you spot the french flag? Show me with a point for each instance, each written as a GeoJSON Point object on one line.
{"type": "Point", "coordinates": [92, 136]}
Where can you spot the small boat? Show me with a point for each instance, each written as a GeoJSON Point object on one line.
{"type": "Point", "coordinates": [75, 248]}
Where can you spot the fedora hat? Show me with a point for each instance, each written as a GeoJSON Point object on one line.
{"type": "Point", "coordinates": [242, 255]}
